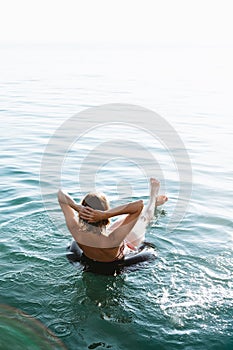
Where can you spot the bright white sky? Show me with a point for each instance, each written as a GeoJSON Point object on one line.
{"type": "Point", "coordinates": [136, 21]}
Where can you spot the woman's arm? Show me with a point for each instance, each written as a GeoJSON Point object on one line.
{"type": "Point", "coordinates": [65, 198]}
{"type": "Point", "coordinates": [69, 206]}
{"type": "Point", "coordinates": [118, 234]}
{"type": "Point", "coordinates": [94, 215]}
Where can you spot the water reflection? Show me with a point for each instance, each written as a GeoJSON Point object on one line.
{"type": "Point", "coordinates": [105, 295]}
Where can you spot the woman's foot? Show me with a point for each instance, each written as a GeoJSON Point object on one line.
{"type": "Point", "coordinates": [154, 190]}
{"type": "Point", "coordinates": [160, 200]}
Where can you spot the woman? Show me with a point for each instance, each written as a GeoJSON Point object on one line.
{"type": "Point", "coordinates": [91, 231]}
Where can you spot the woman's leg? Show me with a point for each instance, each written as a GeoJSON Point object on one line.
{"type": "Point", "coordinates": [137, 235]}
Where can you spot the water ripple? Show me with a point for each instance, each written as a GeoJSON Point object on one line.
{"type": "Point", "coordinates": [60, 328]}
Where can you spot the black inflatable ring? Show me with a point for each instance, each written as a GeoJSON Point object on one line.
{"type": "Point", "coordinates": [145, 253]}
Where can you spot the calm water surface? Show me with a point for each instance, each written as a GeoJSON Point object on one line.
{"type": "Point", "coordinates": [184, 299]}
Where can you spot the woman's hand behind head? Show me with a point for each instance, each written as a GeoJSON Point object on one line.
{"type": "Point", "coordinates": [92, 215]}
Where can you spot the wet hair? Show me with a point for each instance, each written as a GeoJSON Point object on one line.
{"type": "Point", "coordinates": [96, 201]}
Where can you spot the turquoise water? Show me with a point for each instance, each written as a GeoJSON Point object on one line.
{"type": "Point", "coordinates": [184, 299]}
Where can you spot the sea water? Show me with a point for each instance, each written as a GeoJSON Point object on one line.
{"type": "Point", "coordinates": [184, 299]}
